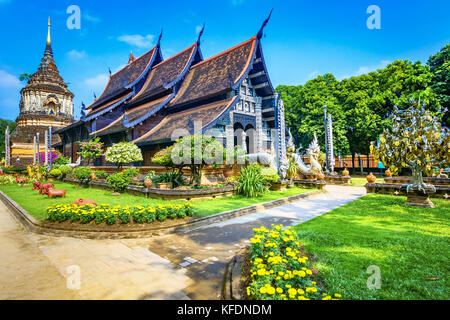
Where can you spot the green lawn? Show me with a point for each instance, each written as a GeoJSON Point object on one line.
{"type": "Point", "coordinates": [37, 204]}
{"type": "Point", "coordinates": [409, 245]}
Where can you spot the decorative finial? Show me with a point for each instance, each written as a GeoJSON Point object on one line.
{"type": "Point", "coordinates": [159, 39]}
{"type": "Point", "coordinates": [83, 113]}
{"type": "Point", "coordinates": [48, 34]}
{"type": "Point", "coordinates": [260, 33]}
{"type": "Point", "coordinates": [110, 72]}
{"type": "Point", "coordinates": [95, 97]}
{"type": "Point", "coordinates": [132, 58]}
{"type": "Point", "coordinates": [201, 33]}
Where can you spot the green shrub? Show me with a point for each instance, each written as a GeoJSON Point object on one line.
{"type": "Point", "coordinates": [55, 173]}
{"type": "Point", "coordinates": [176, 178]}
{"type": "Point", "coordinates": [251, 182]}
{"type": "Point", "coordinates": [270, 175]}
{"type": "Point", "coordinates": [65, 170]}
{"type": "Point", "coordinates": [62, 161]}
{"type": "Point", "coordinates": [130, 173]}
{"type": "Point", "coordinates": [118, 181]}
{"type": "Point", "coordinates": [101, 174]}
{"type": "Point", "coordinates": [82, 173]}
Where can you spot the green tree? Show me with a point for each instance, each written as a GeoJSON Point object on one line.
{"type": "Point", "coordinates": [3, 125]}
{"type": "Point", "coordinates": [304, 112]}
{"type": "Point", "coordinates": [440, 67]}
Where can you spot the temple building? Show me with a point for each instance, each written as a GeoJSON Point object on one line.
{"type": "Point", "coordinates": [152, 102]}
{"type": "Point", "coordinates": [45, 102]}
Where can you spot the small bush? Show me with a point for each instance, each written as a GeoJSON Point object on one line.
{"type": "Point", "coordinates": [130, 173]}
{"type": "Point", "coordinates": [82, 173]}
{"type": "Point", "coordinates": [61, 161]}
{"type": "Point", "coordinates": [251, 182]}
{"type": "Point", "coordinates": [270, 175]}
{"type": "Point", "coordinates": [65, 170]}
{"type": "Point", "coordinates": [101, 174]}
{"type": "Point", "coordinates": [118, 181]}
{"type": "Point", "coordinates": [55, 173]}
{"type": "Point", "coordinates": [175, 177]}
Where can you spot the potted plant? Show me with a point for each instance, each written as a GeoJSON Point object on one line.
{"type": "Point", "coordinates": [55, 173]}
{"type": "Point", "coordinates": [119, 182]}
{"type": "Point", "coordinates": [65, 170]}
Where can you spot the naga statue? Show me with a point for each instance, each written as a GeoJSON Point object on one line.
{"type": "Point", "coordinates": [313, 153]}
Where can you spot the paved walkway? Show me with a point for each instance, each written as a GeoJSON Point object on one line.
{"type": "Point", "coordinates": [41, 267]}
{"type": "Point", "coordinates": [167, 267]}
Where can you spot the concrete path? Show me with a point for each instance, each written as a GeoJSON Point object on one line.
{"type": "Point", "coordinates": [168, 267]}
{"type": "Point", "coordinates": [205, 252]}
{"type": "Point", "coordinates": [41, 267]}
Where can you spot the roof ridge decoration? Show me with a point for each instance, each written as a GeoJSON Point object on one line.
{"type": "Point", "coordinates": [260, 32]}
{"type": "Point", "coordinates": [200, 34]}
{"type": "Point", "coordinates": [159, 39]}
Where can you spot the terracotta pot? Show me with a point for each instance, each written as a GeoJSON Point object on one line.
{"type": "Point", "coordinates": [345, 173]}
{"type": "Point", "coordinates": [148, 183]}
{"type": "Point", "coordinates": [388, 173]}
{"type": "Point", "coordinates": [93, 177]}
{"type": "Point", "coordinates": [371, 178]}
{"type": "Point", "coordinates": [228, 172]}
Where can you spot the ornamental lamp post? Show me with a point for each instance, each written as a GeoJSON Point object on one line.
{"type": "Point", "coordinates": [326, 137]}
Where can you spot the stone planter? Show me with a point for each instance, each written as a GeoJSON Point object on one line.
{"type": "Point", "coordinates": [419, 198]}
{"type": "Point", "coordinates": [279, 186]}
{"type": "Point", "coordinates": [310, 177]}
{"type": "Point", "coordinates": [165, 186]}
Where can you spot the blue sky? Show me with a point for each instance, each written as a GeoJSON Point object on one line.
{"type": "Point", "coordinates": [303, 38]}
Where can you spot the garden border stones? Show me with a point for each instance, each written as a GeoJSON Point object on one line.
{"type": "Point", "coordinates": [165, 194]}
{"type": "Point", "coordinates": [33, 225]}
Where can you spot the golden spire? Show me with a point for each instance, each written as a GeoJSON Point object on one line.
{"type": "Point", "coordinates": [48, 35]}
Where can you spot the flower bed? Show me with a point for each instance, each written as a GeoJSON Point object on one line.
{"type": "Point", "coordinates": [278, 269]}
{"type": "Point", "coordinates": [113, 214]}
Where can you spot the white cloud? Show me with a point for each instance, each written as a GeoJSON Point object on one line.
{"type": "Point", "coordinates": [97, 84]}
{"type": "Point", "coordinates": [7, 80]}
{"type": "Point", "coordinates": [313, 74]}
{"type": "Point", "coordinates": [138, 40]}
{"type": "Point", "coordinates": [365, 69]}
{"type": "Point", "coordinates": [76, 55]}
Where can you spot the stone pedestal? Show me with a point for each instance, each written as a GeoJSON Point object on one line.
{"type": "Point", "coordinates": [419, 198]}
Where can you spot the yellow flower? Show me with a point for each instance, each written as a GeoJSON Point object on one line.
{"type": "Point", "coordinates": [263, 290]}
{"type": "Point", "coordinates": [271, 290]}
{"type": "Point", "coordinates": [279, 290]}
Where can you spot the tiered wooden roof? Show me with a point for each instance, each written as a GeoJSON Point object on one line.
{"type": "Point", "coordinates": [181, 89]}
{"type": "Point", "coordinates": [120, 83]}
{"type": "Point", "coordinates": [184, 120]}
